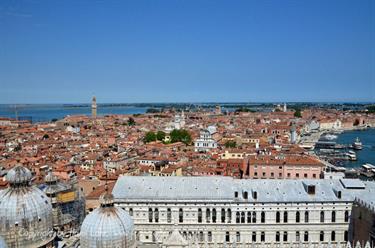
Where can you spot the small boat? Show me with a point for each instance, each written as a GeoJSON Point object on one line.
{"type": "Point", "coordinates": [351, 155]}
{"type": "Point", "coordinates": [357, 145]}
{"type": "Point", "coordinates": [330, 137]}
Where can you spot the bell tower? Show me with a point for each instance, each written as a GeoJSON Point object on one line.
{"type": "Point", "coordinates": [93, 107]}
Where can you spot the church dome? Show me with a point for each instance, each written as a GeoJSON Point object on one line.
{"type": "Point", "coordinates": [53, 186]}
{"type": "Point", "coordinates": [25, 212]}
{"type": "Point", "coordinates": [19, 176]}
{"type": "Point", "coordinates": [107, 226]}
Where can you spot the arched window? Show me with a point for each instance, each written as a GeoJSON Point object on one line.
{"type": "Point", "coordinates": [298, 238]}
{"type": "Point", "coordinates": [277, 217]}
{"type": "Point", "coordinates": [249, 217]}
{"type": "Point", "coordinates": [156, 214]}
{"type": "Point", "coordinates": [277, 238]}
{"type": "Point", "coordinates": [150, 213]}
{"type": "Point", "coordinates": [346, 218]}
{"type": "Point", "coordinates": [306, 236]}
{"type": "Point", "coordinates": [285, 237]}
{"type": "Point", "coordinates": [263, 217]}
{"type": "Point", "coordinates": [214, 215]}
{"type": "Point", "coordinates": [199, 215]}
{"type": "Point", "coordinates": [254, 217]}
{"type": "Point", "coordinates": [254, 237]}
{"type": "Point", "coordinates": [242, 217]}
{"type": "Point", "coordinates": [227, 237]}
{"type": "Point", "coordinates": [180, 215]}
{"type": "Point", "coordinates": [333, 236]}
{"type": "Point", "coordinates": [238, 237]}
{"type": "Point", "coordinates": [262, 236]}
{"type": "Point", "coordinates": [298, 217]}
{"type": "Point", "coordinates": [321, 236]}
{"type": "Point", "coordinates": [245, 195]}
{"type": "Point", "coordinates": [306, 216]}
{"type": "Point", "coordinates": [223, 215]}
{"type": "Point", "coordinates": [169, 215]}
{"type": "Point", "coordinates": [237, 217]}
{"type": "Point", "coordinates": [201, 236]}
{"type": "Point", "coordinates": [229, 215]}
{"type": "Point", "coordinates": [131, 211]}
{"type": "Point", "coordinates": [209, 236]}
{"type": "Point", "coordinates": [322, 216]}
{"type": "Point", "coordinates": [285, 217]}
{"type": "Point", "coordinates": [333, 217]}
{"type": "Point", "coordinates": [208, 215]}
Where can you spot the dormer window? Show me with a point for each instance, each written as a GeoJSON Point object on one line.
{"type": "Point", "coordinates": [311, 189]}
{"type": "Point", "coordinates": [339, 194]}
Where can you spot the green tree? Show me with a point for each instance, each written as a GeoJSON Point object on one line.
{"type": "Point", "coordinates": [152, 110]}
{"type": "Point", "coordinates": [298, 113]}
{"type": "Point", "coordinates": [230, 144]}
{"type": "Point", "coordinates": [185, 137]}
{"type": "Point", "coordinates": [160, 135]}
{"type": "Point", "coordinates": [244, 109]}
{"type": "Point", "coordinates": [149, 137]}
{"type": "Point", "coordinates": [371, 109]}
{"type": "Point", "coordinates": [180, 136]}
{"type": "Point", "coordinates": [131, 121]}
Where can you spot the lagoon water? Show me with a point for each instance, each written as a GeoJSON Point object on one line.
{"type": "Point", "coordinates": [367, 154]}
{"type": "Point", "coordinates": [47, 112]}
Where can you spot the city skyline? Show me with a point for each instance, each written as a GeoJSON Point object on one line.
{"type": "Point", "coordinates": [178, 51]}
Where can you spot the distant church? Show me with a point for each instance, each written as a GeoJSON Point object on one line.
{"type": "Point", "coordinates": [93, 107]}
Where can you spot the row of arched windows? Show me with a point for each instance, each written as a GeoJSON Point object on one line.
{"type": "Point", "coordinates": [283, 236]}
{"type": "Point", "coordinates": [241, 217]}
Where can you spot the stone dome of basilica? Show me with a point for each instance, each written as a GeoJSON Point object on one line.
{"type": "Point", "coordinates": [25, 212]}
{"type": "Point", "coordinates": [107, 226]}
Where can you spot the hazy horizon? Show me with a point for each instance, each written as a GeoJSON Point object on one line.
{"type": "Point", "coordinates": [202, 102]}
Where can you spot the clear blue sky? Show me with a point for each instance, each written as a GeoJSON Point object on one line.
{"type": "Point", "coordinates": [186, 51]}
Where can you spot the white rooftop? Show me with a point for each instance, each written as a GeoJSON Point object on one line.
{"type": "Point", "coordinates": [222, 189]}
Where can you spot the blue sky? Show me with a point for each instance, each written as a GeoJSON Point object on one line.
{"type": "Point", "coordinates": [186, 51]}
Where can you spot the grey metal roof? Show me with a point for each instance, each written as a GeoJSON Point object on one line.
{"type": "Point", "coordinates": [352, 183]}
{"type": "Point", "coordinates": [128, 188]}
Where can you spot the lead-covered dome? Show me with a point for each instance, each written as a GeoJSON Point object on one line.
{"type": "Point", "coordinates": [107, 226]}
{"type": "Point", "coordinates": [25, 212]}
{"type": "Point", "coordinates": [19, 176]}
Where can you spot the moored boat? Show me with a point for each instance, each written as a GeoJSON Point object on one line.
{"type": "Point", "coordinates": [357, 145]}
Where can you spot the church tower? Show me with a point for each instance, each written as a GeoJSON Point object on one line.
{"type": "Point", "coordinates": [93, 107]}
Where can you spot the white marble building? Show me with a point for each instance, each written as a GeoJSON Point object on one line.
{"type": "Point", "coordinates": [206, 142]}
{"type": "Point", "coordinates": [227, 212]}
{"type": "Point", "coordinates": [177, 123]}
